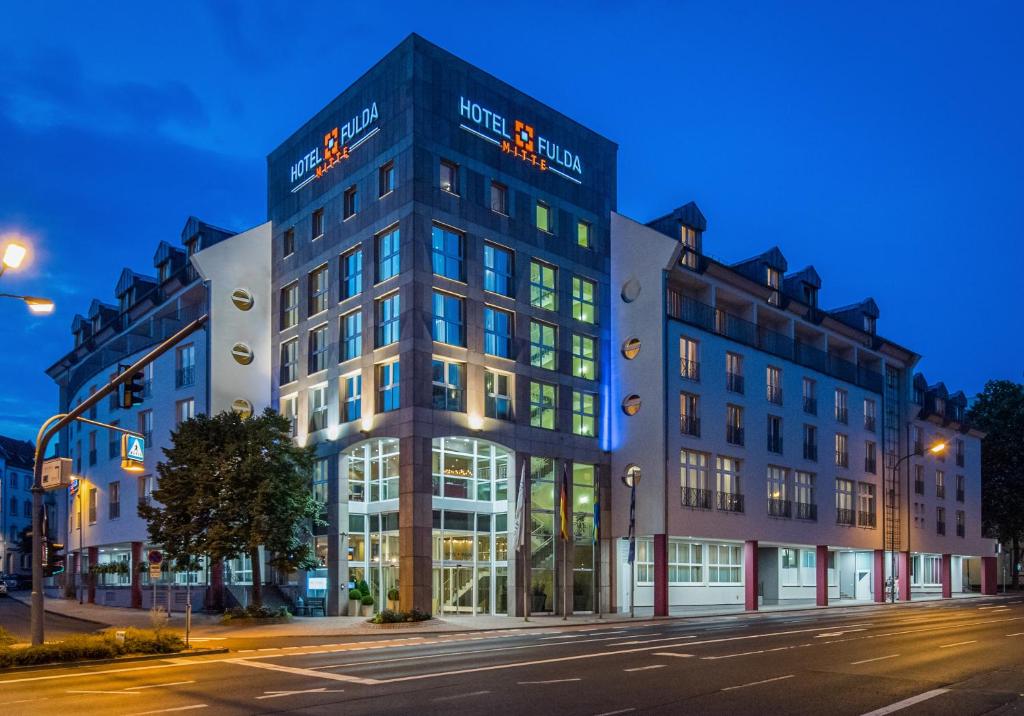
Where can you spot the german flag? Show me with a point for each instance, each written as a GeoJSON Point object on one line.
{"type": "Point", "coordinates": [563, 499]}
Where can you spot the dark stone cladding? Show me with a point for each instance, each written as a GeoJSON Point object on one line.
{"type": "Point", "coordinates": [416, 88]}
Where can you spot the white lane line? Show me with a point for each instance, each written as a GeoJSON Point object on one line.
{"type": "Point", "coordinates": [193, 707]}
{"type": "Point", "coordinates": [877, 658]}
{"type": "Point", "coordinates": [551, 681]}
{"type": "Point", "coordinates": [646, 668]}
{"type": "Point", "coordinates": [613, 713]}
{"type": "Point", "coordinates": [905, 703]}
{"type": "Point", "coordinates": [672, 653]}
{"type": "Point", "coordinates": [279, 694]}
{"type": "Point", "coordinates": [651, 641]}
{"type": "Point", "coordinates": [837, 633]}
{"type": "Point", "coordinates": [1017, 633]}
{"type": "Point", "coordinates": [208, 638]}
{"type": "Point", "coordinates": [157, 686]}
{"type": "Point", "coordinates": [119, 693]}
{"type": "Point", "coordinates": [959, 643]}
{"type": "Point", "coordinates": [461, 696]}
{"type": "Point", "coordinates": [26, 701]}
{"type": "Point", "coordinates": [758, 683]}
{"type": "Point", "coordinates": [302, 672]}
{"type": "Point", "coordinates": [751, 653]}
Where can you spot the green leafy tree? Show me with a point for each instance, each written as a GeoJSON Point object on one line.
{"type": "Point", "coordinates": [230, 484]}
{"type": "Point", "coordinates": [998, 411]}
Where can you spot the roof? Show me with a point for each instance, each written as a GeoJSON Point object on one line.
{"type": "Point", "coordinates": [17, 453]}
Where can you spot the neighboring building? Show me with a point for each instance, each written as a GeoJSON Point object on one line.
{"type": "Point", "coordinates": [16, 460]}
{"type": "Point", "coordinates": [777, 424]}
{"type": "Point", "coordinates": [197, 376]}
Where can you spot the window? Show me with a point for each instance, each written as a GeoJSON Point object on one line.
{"type": "Point", "coordinates": [866, 504]}
{"type": "Point", "coordinates": [918, 479]}
{"type": "Point", "coordinates": [497, 332]}
{"type": "Point", "coordinates": [350, 202]}
{"type": "Point", "coordinates": [145, 489]}
{"type": "Point", "coordinates": [92, 448]}
{"type": "Point", "coordinates": [289, 408]}
{"type": "Point", "coordinates": [447, 253]}
{"type": "Point", "coordinates": [916, 439]}
{"type": "Point", "coordinates": [583, 234]}
{"type": "Point", "coordinates": [959, 488]}
{"type": "Point", "coordinates": [497, 395]}
{"type": "Point", "coordinates": [870, 457]}
{"type": "Point", "coordinates": [542, 345]}
{"type": "Point", "coordinates": [960, 453]}
{"type": "Point", "coordinates": [185, 410]}
{"type": "Point", "coordinates": [644, 561]}
{"type": "Point", "coordinates": [317, 408]}
{"type": "Point", "coordinates": [352, 273]}
{"type": "Point", "coordinates": [449, 319]}
{"type": "Point", "coordinates": [775, 434]}
{"type": "Point", "coordinates": [810, 396]}
{"type": "Point", "coordinates": [352, 397]}
{"type": "Point", "coordinates": [388, 309]}
{"type": "Point", "coordinates": [351, 335]}
{"type": "Point", "coordinates": [542, 405]}
{"type": "Point", "coordinates": [318, 224]}
{"type": "Point", "coordinates": [320, 480]}
{"type": "Point", "coordinates": [542, 286]}
{"type": "Point", "coordinates": [318, 290]}
{"type": "Point", "coordinates": [940, 520]}
{"type": "Point", "coordinates": [318, 349]}
{"type": "Point", "coordinates": [584, 413]}
{"type": "Point", "coordinates": [185, 361]}
{"type": "Point", "coordinates": [773, 279]}
{"type": "Point", "coordinates": [961, 519]}
{"type": "Point", "coordinates": [14, 507]}
{"type": "Point", "coordinates": [387, 386]}
{"type": "Point", "coordinates": [773, 383]}
{"type": "Point", "coordinates": [290, 305]}
{"type": "Point", "coordinates": [842, 456]}
{"type": "Point", "coordinates": [584, 364]}
{"type": "Point", "coordinates": [289, 361]}
{"type": "Point", "coordinates": [778, 502]}
{"type": "Point", "coordinates": [842, 410]}
{"type": "Point", "coordinates": [810, 442]}
{"type": "Point", "coordinates": [543, 216]}
{"type": "Point", "coordinates": [114, 493]}
{"type": "Point", "coordinates": [693, 479]}
{"type": "Point", "coordinates": [869, 324]}
{"type": "Point", "coordinates": [498, 270]}
{"type": "Point", "coordinates": [869, 415]}
{"type": "Point", "coordinates": [940, 484]}
{"type": "Point", "coordinates": [449, 177]}
{"type": "Point", "coordinates": [287, 248]}
{"type": "Point", "coordinates": [93, 493]}
{"type": "Point", "coordinates": [113, 449]}
{"type": "Point", "coordinates": [685, 562]}
{"type": "Point", "coordinates": [734, 372]}
{"type": "Point", "coordinates": [734, 424]}
{"type": "Point", "coordinates": [583, 299]}
{"type": "Point", "coordinates": [727, 475]}
{"type": "Point", "coordinates": [844, 502]}
{"type": "Point", "coordinates": [689, 359]}
{"type": "Point", "coordinates": [386, 179]}
{"type": "Point", "coordinates": [449, 381]}
{"type": "Point", "coordinates": [499, 198]}
{"type": "Point", "coordinates": [388, 254]}
{"type": "Point", "coordinates": [725, 563]}
{"type": "Point", "coordinates": [146, 424]}
{"type": "Point", "coordinates": [803, 494]}
{"type": "Point", "coordinates": [689, 414]}
{"type": "Point", "coordinates": [688, 237]}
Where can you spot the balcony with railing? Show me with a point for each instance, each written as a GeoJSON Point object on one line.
{"type": "Point", "coordinates": [185, 376]}
{"type": "Point", "coordinates": [960, 530]}
{"type": "Point", "coordinates": [806, 511]}
{"type": "Point", "coordinates": [811, 406]}
{"type": "Point", "coordinates": [845, 516]}
{"type": "Point", "coordinates": [779, 508]}
{"type": "Point", "coordinates": [940, 491]}
{"type": "Point", "coordinates": [865, 519]}
{"type": "Point", "coordinates": [810, 452]}
{"type": "Point", "coordinates": [870, 465]}
{"type": "Point", "coordinates": [715, 320]}
{"type": "Point", "coordinates": [959, 459]}
{"type": "Point", "coordinates": [689, 369]}
{"type": "Point", "coordinates": [775, 443]}
{"type": "Point", "coordinates": [729, 501]}
{"type": "Point", "coordinates": [734, 382]}
{"type": "Point", "coordinates": [940, 528]}
{"type": "Point", "coordinates": [774, 394]}
{"type": "Point", "coordinates": [697, 498]}
{"type": "Point", "coordinates": [690, 425]}
{"type": "Point", "coordinates": [734, 435]}
{"type": "Point", "coordinates": [842, 458]}
{"type": "Point", "coordinates": [842, 415]}
{"type": "Point", "coordinates": [960, 495]}
{"type": "Point", "coordinates": [869, 423]}
{"type": "Point", "coordinates": [918, 487]}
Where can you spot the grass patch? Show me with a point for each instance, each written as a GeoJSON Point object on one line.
{"type": "Point", "coordinates": [104, 645]}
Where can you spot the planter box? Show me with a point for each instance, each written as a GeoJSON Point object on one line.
{"type": "Point", "coordinates": [353, 608]}
{"type": "Point", "coordinates": [367, 610]}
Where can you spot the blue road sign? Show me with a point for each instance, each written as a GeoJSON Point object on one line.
{"type": "Point", "coordinates": [134, 448]}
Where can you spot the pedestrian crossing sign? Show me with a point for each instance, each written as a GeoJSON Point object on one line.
{"type": "Point", "coordinates": [133, 452]}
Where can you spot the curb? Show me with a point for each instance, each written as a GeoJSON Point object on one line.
{"type": "Point", "coordinates": [118, 660]}
{"type": "Point", "coordinates": [27, 603]}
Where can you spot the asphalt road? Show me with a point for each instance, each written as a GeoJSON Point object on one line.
{"type": "Point", "coordinates": [957, 657]}
{"type": "Point", "coordinates": [14, 617]}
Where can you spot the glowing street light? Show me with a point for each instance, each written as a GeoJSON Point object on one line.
{"type": "Point", "coordinates": [938, 447]}
{"type": "Point", "coordinates": [14, 254]}
{"type": "Point", "coordinates": [38, 306]}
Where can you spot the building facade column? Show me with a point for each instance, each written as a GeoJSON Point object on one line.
{"type": "Point", "coordinates": [94, 558]}
{"type": "Point", "coordinates": [988, 575]}
{"type": "Point", "coordinates": [337, 542]}
{"type": "Point", "coordinates": [821, 575]}
{"type": "Point", "coordinates": [905, 577]}
{"type": "Point", "coordinates": [947, 576]}
{"type": "Point", "coordinates": [661, 575]}
{"type": "Point", "coordinates": [879, 576]}
{"type": "Point", "coordinates": [415, 524]}
{"type": "Point", "coordinates": [750, 575]}
{"type": "Point", "coordinates": [136, 575]}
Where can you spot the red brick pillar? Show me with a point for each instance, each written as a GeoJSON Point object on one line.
{"type": "Point", "coordinates": [947, 576]}
{"type": "Point", "coordinates": [879, 575]}
{"type": "Point", "coordinates": [661, 575]}
{"type": "Point", "coordinates": [904, 576]}
{"type": "Point", "coordinates": [988, 575]}
{"type": "Point", "coordinates": [821, 575]}
{"type": "Point", "coordinates": [750, 575]}
{"type": "Point", "coordinates": [94, 558]}
{"type": "Point", "coordinates": [136, 575]}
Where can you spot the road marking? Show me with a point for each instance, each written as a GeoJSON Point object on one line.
{"type": "Point", "coordinates": [552, 681]}
{"type": "Point", "coordinates": [26, 701]}
{"type": "Point", "coordinates": [837, 633]}
{"type": "Point", "coordinates": [671, 653]}
{"type": "Point", "coordinates": [759, 651]}
{"type": "Point", "coordinates": [613, 713]}
{"type": "Point", "coordinates": [157, 686]}
{"type": "Point", "coordinates": [461, 696]}
{"type": "Point", "coordinates": [959, 643]}
{"type": "Point", "coordinates": [905, 703]}
{"type": "Point", "coordinates": [877, 658]}
{"type": "Point", "coordinates": [119, 693]}
{"type": "Point", "coordinates": [758, 683]}
{"type": "Point", "coordinates": [80, 674]}
{"type": "Point", "coordinates": [646, 668]}
{"type": "Point", "coordinates": [650, 641]}
{"type": "Point", "coordinates": [279, 694]}
{"type": "Point", "coordinates": [164, 711]}
{"type": "Point", "coordinates": [208, 638]}
{"type": "Point", "coordinates": [302, 672]}
{"type": "Point", "coordinates": [1018, 633]}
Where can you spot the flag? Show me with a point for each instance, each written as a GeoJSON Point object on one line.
{"type": "Point", "coordinates": [632, 525]}
{"type": "Point", "coordinates": [518, 536]}
{"type": "Point", "coordinates": [563, 499]}
{"type": "Point", "coordinates": [597, 519]}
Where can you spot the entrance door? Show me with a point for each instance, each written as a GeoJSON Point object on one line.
{"type": "Point", "coordinates": [863, 584]}
{"type": "Point", "coordinates": [456, 590]}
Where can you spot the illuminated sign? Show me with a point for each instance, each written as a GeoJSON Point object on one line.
{"type": "Point", "coordinates": [338, 144]}
{"type": "Point", "coordinates": [522, 143]}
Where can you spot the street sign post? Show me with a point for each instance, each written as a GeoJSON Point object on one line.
{"type": "Point", "coordinates": [133, 453]}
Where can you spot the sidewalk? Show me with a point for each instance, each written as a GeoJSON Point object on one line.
{"type": "Point", "coordinates": [209, 625]}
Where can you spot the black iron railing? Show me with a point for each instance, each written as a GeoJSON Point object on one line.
{"type": "Point", "coordinates": [811, 406]}
{"type": "Point", "coordinates": [690, 425]}
{"type": "Point", "coordinates": [918, 487]}
{"type": "Point", "coordinates": [733, 435]}
{"type": "Point", "coordinates": [940, 491]}
{"type": "Point", "coordinates": [959, 530]}
{"type": "Point", "coordinates": [869, 423]}
{"type": "Point", "coordinates": [845, 516]}
{"type": "Point", "coordinates": [810, 452]}
{"type": "Point", "coordinates": [774, 394]}
{"type": "Point", "coordinates": [959, 495]}
{"type": "Point", "coordinates": [689, 369]}
{"type": "Point", "coordinates": [734, 382]}
{"type": "Point", "coordinates": [184, 377]}
{"type": "Point", "coordinates": [780, 508]}
{"type": "Point", "coordinates": [806, 511]}
{"type": "Point", "coordinates": [842, 458]}
{"type": "Point", "coordinates": [870, 465]}
{"type": "Point", "coordinates": [940, 528]}
{"type": "Point", "coordinates": [865, 519]}
{"type": "Point", "coordinates": [697, 498]}
{"type": "Point", "coordinates": [774, 443]}
{"type": "Point", "coordinates": [842, 415]}
{"type": "Point", "coordinates": [729, 501]}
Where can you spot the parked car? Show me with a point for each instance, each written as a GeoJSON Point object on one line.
{"type": "Point", "coordinates": [9, 581]}
{"type": "Point", "coordinates": [3, 588]}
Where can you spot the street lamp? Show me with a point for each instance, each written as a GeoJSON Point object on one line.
{"type": "Point", "coordinates": [14, 254]}
{"type": "Point", "coordinates": [631, 478]}
{"type": "Point", "coordinates": [38, 306]}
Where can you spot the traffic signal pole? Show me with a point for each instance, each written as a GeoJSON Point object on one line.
{"type": "Point", "coordinates": [50, 428]}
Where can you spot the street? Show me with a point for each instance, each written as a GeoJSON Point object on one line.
{"type": "Point", "coordinates": [957, 657]}
{"type": "Point", "coordinates": [14, 617]}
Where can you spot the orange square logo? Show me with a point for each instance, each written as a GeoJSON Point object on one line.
{"type": "Point", "coordinates": [524, 136]}
{"type": "Point", "coordinates": [332, 147]}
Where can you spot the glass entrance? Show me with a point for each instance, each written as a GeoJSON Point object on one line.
{"type": "Point", "coordinates": [454, 589]}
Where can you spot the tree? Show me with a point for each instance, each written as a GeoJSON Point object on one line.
{"type": "Point", "coordinates": [230, 484]}
{"type": "Point", "coordinates": [998, 411]}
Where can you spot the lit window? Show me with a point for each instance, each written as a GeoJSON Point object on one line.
{"type": "Point", "coordinates": [542, 405]}
{"type": "Point", "coordinates": [352, 396]}
{"type": "Point", "coordinates": [497, 395]}
{"type": "Point", "coordinates": [352, 273]}
{"type": "Point", "coordinates": [583, 360]}
{"type": "Point", "coordinates": [289, 361]}
{"type": "Point", "coordinates": [449, 177]}
{"type": "Point", "coordinates": [318, 347]}
{"type": "Point", "coordinates": [543, 216]}
{"type": "Point", "coordinates": [497, 332]}
{"type": "Point", "coordinates": [449, 385]}
{"type": "Point", "coordinates": [584, 413]}
{"type": "Point", "coordinates": [449, 319]}
{"type": "Point", "coordinates": [583, 299]}
{"type": "Point", "coordinates": [542, 286]}
{"type": "Point", "coordinates": [447, 253]}
{"type": "Point", "coordinates": [186, 410]}
{"type": "Point", "coordinates": [388, 309]}
{"type": "Point", "coordinates": [351, 335]}
{"type": "Point", "coordinates": [498, 270]}
{"type": "Point", "coordinates": [388, 254]}
{"type": "Point", "coordinates": [318, 290]}
{"type": "Point", "coordinates": [290, 305]}
{"type": "Point", "coordinates": [317, 408]}
{"type": "Point", "coordinates": [542, 345]}
{"type": "Point", "coordinates": [387, 386]}
{"type": "Point", "coordinates": [583, 234]}
{"type": "Point", "coordinates": [725, 564]}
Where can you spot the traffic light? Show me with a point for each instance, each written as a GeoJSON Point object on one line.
{"type": "Point", "coordinates": [132, 390]}
{"type": "Point", "coordinates": [54, 563]}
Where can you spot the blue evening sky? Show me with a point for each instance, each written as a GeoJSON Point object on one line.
{"type": "Point", "coordinates": [881, 142]}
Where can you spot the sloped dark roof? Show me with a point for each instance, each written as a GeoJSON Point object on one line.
{"type": "Point", "coordinates": [753, 267]}
{"type": "Point", "coordinates": [688, 214]}
{"type": "Point", "coordinates": [206, 234]}
{"type": "Point", "coordinates": [129, 279]}
{"type": "Point", "coordinates": [17, 453]}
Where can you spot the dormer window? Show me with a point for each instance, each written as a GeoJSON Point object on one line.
{"type": "Point", "coordinates": [688, 236]}
{"type": "Point", "coordinates": [125, 300]}
{"type": "Point", "coordinates": [810, 295]}
{"type": "Point", "coordinates": [192, 245]}
{"type": "Point", "coordinates": [919, 396]}
{"type": "Point", "coordinates": [940, 406]}
{"type": "Point", "coordinates": [869, 324]}
{"type": "Point", "coordinates": [773, 279]}
{"type": "Point", "coordinates": [164, 270]}
{"type": "Point", "coordinates": [78, 338]}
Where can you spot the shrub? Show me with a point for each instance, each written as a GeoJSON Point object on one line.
{"type": "Point", "coordinates": [254, 612]}
{"type": "Point", "coordinates": [93, 646]}
{"type": "Point", "coordinates": [367, 600]}
{"type": "Point", "coordinates": [6, 639]}
{"type": "Point", "coordinates": [393, 594]}
{"type": "Point", "coordinates": [392, 616]}
{"type": "Point", "coordinates": [355, 595]}
{"type": "Point", "coordinates": [363, 587]}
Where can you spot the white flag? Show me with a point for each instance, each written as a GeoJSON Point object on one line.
{"type": "Point", "coordinates": [517, 537]}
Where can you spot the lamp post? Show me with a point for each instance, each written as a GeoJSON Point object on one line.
{"type": "Point", "coordinates": [631, 478]}
{"type": "Point", "coordinates": [14, 254]}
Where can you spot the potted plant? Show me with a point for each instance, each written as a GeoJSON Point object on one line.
{"type": "Point", "coordinates": [355, 598]}
{"type": "Point", "coordinates": [367, 602]}
{"type": "Point", "coordinates": [393, 596]}
{"type": "Point", "coordinates": [539, 602]}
